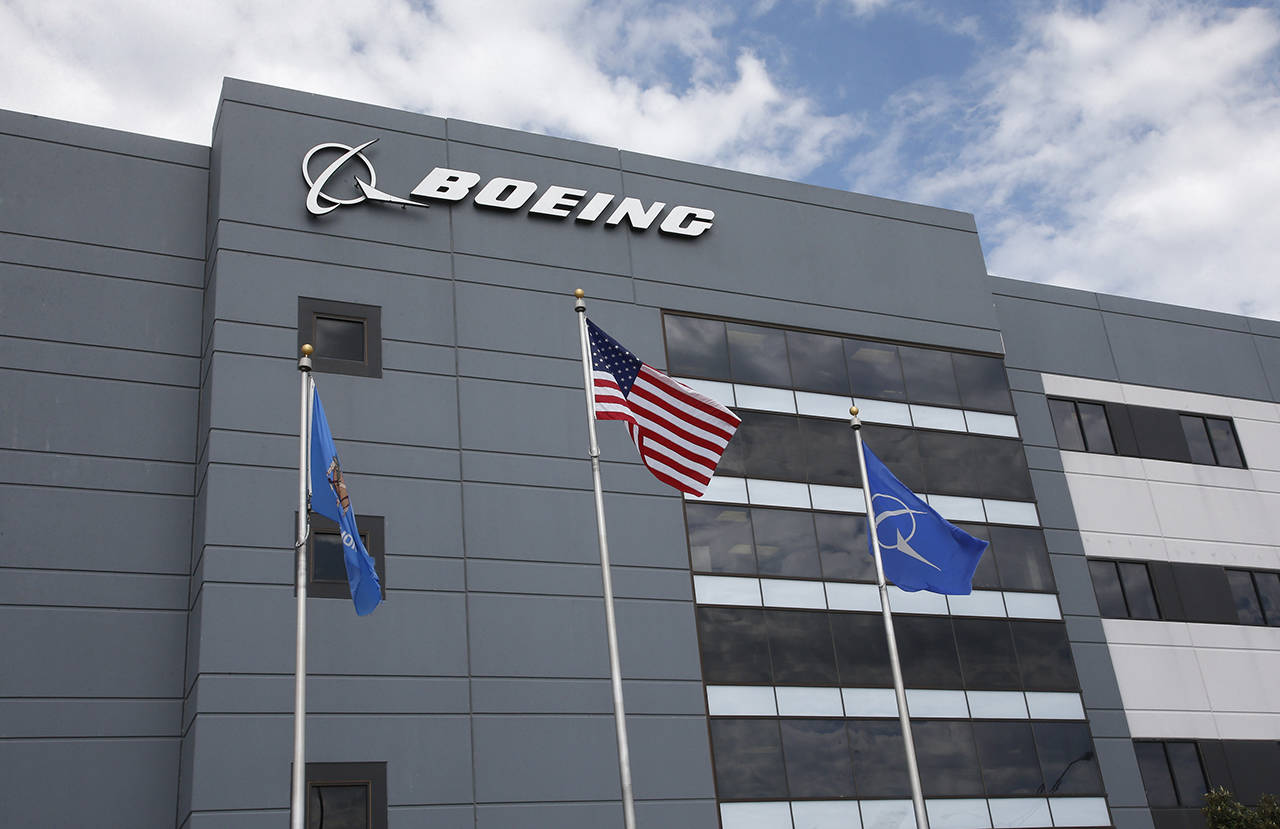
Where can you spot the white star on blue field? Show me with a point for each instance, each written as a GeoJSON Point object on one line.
{"type": "Point", "coordinates": [1125, 146]}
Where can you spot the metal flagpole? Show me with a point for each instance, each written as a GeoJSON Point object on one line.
{"type": "Point", "coordinates": [611, 625]}
{"type": "Point", "coordinates": [913, 770]}
{"type": "Point", "coordinates": [297, 803]}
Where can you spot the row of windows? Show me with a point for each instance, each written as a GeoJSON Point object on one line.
{"type": "Point", "coordinates": [1144, 432]}
{"type": "Point", "coordinates": [757, 759]}
{"type": "Point", "coordinates": [766, 646]}
{"type": "Point", "coordinates": [1177, 773]}
{"type": "Point", "coordinates": [762, 541]}
{"type": "Point", "coordinates": [844, 366]}
{"type": "Point", "coordinates": [813, 450]}
{"type": "Point", "coordinates": [1185, 592]}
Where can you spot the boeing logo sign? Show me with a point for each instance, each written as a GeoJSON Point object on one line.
{"type": "Point", "coordinates": [443, 184]}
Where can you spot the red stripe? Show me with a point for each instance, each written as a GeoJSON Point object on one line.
{"type": "Point", "coordinates": [654, 402]}
{"type": "Point", "coordinates": [689, 396]}
{"type": "Point", "coordinates": [676, 428]}
{"type": "Point", "coordinates": [677, 450]}
{"type": "Point", "coordinates": [702, 472]}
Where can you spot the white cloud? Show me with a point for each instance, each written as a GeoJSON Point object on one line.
{"type": "Point", "coordinates": [1131, 151]}
{"type": "Point", "coordinates": [643, 76]}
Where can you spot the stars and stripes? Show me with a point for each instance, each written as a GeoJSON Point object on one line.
{"type": "Point", "coordinates": [680, 434]}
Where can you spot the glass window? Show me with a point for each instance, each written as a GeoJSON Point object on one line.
{"type": "Point", "coordinates": [842, 547]}
{"type": "Point", "coordinates": [879, 758]}
{"type": "Point", "coordinates": [997, 467]}
{"type": "Point", "coordinates": [831, 455]}
{"type": "Point", "coordinates": [346, 795]}
{"type": "Point", "coordinates": [758, 355]}
{"type": "Point", "coordinates": [987, 575]}
{"type": "Point", "coordinates": [1156, 778]}
{"type": "Point", "coordinates": [817, 758]}
{"type": "Point", "coordinates": [875, 370]}
{"type": "Point", "coordinates": [1067, 758]}
{"type": "Point", "coordinates": [1022, 558]}
{"type": "Point", "coordinates": [748, 759]}
{"type": "Point", "coordinates": [327, 573]}
{"type": "Point", "coordinates": [1044, 655]}
{"type": "Point", "coordinates": [947, 464]}
{"type": "Point", "coordinates": [1097, 433]}
{"type": "Point", "coordinates": [1188, 775]}
{"type": "Point", "coordinates": [927, 649]}
{"type": "Point", "coordinates": [986, 652]}
{"type": "Point", "coordinates": [1106, 587]}
{"type": "Point", "coordinates": [327, 562]}
{"type": "Point", "coordinates": [340, 338]}
{"type": "Point", "coordinates": [1248, 608]}
{"type": "Point", "coordinates": [898, 449]}
{"type": "Point", "coordinates": [735, 647]}
{"type": "Point", "coordinates": [1007, 752]}
{"type": "Point", "coordinates": [1136, 582]}
{"type": "Point", "coordinates": [817, 363]}
{"type": "Point", "coordinates": [1066, 425]}
{"type": "Point", "coordinates": [862, 650]}
{"type": "Point", "coordinates": [720, 538]}
{"type": "Point", "coordinates": [770, 446]}
{"type": "Point", "coordinates": [734, 460]}
{"type": "Point", "coordinates": [1269, 592]}
{"type": "Point", "coordinates": [982, 382]}
{"type": "Point", "coordinates": [930, 376]}
{"type": "Point", "coordinates": [347, 336]}
{"type": "Point", "coordinates": [1159, 434]}
{"type": "Point", "coordinates": [696, 347]}
{"type": "Point", "coordinates": [948, 758]}
{"type": "Point", "coordinates": [1223, 436]}
{"type": "Point", "coordinates": [1197, 439]}
{"type": "Point", "coordinates": [801, 647]}
{"type": "Point", "coordinates": [785, 543]}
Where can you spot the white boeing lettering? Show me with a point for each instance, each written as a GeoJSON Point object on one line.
{"type": "Point", "coordinates": [448, 185]}
{"type": "Point", "coordinates": [557, 201]}
{"type": "Point", "coordinates": [505, 193]}
{"type": "Point", "coordinates": [594, 207]}
{"type": "Point", "coordinates": [634, 211]}
{"type": "Point", "coordinates": [687, 221]}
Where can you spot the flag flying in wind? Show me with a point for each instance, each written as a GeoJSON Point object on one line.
{"type": "Point", "coordinates": [680, 434]}
{"type": "Point", "coordinates": [329, 498]}
{"type": "Point", "coordinates": [920, 549]}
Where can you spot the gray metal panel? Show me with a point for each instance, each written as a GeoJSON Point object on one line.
{"type": "Point", "coordinates": [62, 255]}
{"type": "Point", "coordinates": [469, 132]}
{"type": "Point", "coordinates": [274, 97]}
{"type": "Point", "coordinates": [540, 695]}
{"type": "Point", "coordinates": [1097, 677]}
{"type": "Point", "coordinates": [1059, 339]}
{"type": "Point", "coordinates": [1120, 769]}
{"type": "Point", "coordinates": [1269, 354]}
{"type": "Point", "coordinates": [1054, 499]}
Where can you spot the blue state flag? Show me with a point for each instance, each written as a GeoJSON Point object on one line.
{"type": "Point", "coordinates": [920, 549]}
{"type": "Point", "coordinates": [329, 498]}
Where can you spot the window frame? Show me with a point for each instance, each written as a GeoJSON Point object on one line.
{"type": "Point", "coordinates": [373, 774]}
{"type": "Point", "coordinates": [373, 533]}
{"type": "Point", "coordinates": [309, 308]}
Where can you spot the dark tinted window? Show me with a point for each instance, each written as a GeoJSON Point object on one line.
{"type": "Point", "coordinates": [879, 758]}
{"type": "Point", "coordinates": [1188, 776]}
{"type": "Point", "coordinates": [817, 363]}
{"type": "Point", "coordinates": [927, 649]}
{"type": "Point", "coordinates": [327, 573]}
{"type": "Point", "coordinates": [1097, 433]}
{"type": "Point", "coordinates": [987, 657]}
{"type": "Point", "coordinates": [987, 574]}
{"type": "Point", "coordinates": [1156, 777]}
{"type": "Point", "coordinates": [785, 544]}
{"type": "Point", "coordinates": [1066, 425]}
{"type": "Point", "coordinates": [899, 450]}
{"type": "Point", "coordinates": [929, 376]}
{"type": "Point", "coordinates": [342, 339]}
{"type": "Point", "coordinates": [1044, 655]}
{"type": "Point", "coordinates": [1007, 753]}
{"type": "Point", "coordinates": [1269, 592]}
{"type": "Point", "coordinates": [1022, 557]}
{"type": "Point", "coordinates": [1197, 439]}
{"type": "Point", "coordinates": [768, 443]}
{"type": "Point", "coordinates": [327, 562]}
{"type": "Point", "coordinates": [1106, 587]}
{"type": "Point", "coordinates": [947, 758]}
{"type": "Point", "coordinates": [697, 347]}
{"type": "Point", "coordinates": [748, 759]}
{"type": "Point", "coordinates": [982, 383]}
{"type": "Point", "coordinates": [720, 538]}
{"type": "Point", "coordinates": [862, 650]}
{"type": "Point", "coordinates": [758, 355]}
{"type": "Point", "coordinates": [1223, 437]}
{"type": "Point", "coordinates": [1067, 758]}
{"type": "Point", "coordinates": [830, 451]}
{"type": "Point", "coordinates": [346, 795]}
{"type": "Point", "coordinates": [1137, 590]}
{"type": "Point", "coordinates": [817, 758]}
{"type": "Point", "coordinates": [1159, 434]}
{"type": "Point", "coordinates": [735, 646]}
{"type": "Point", "coordinates": [842, 547]}
{"type": "Point", "coordinates": [1248, 608]}
{"type": "Point", "coordinates": [347, 336]}
{"type": "Point", "coordinates": [1205, 595]}
{"type": "Point", "coordinates": [1253, 765]}
{"type": "Point", "coordinates": [998, 467]}
{"type": "Point", "coordinates": [874, 370]}
{"type": "Point", "coordinates": [801, 647]}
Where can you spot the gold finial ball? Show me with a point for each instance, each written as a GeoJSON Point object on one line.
{"type": "Point", "coordinates": [307, 350]}
{"type": "Point", "coordinates": [853, 410]}
{"type": "Point", "coordinates": [579, 293]}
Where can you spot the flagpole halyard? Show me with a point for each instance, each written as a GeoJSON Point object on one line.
{"type": "Point", "coordinates": [913, 769]}
{"type": "Point", "coordinates": [297, 802]}
{"type": "Point", "coordinates": [611, 625]}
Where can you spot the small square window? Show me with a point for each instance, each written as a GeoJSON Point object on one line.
{"type": "Point", "coordinates": [347, 336]}
{"type": "Point", "coordinates": [346, 796]}
{"type": "Point", "coordinates": [326, 569]}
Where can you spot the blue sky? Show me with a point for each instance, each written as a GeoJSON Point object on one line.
{"type": "Point", "coordinates": [1129, 147]}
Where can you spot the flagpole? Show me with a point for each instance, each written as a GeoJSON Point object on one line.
{"type": "Point", "coordinates": [913, 770]}
{"type": "Point", "coordinates": [297, 802]}
{"type": "Point", "coordinates": [610, 621]}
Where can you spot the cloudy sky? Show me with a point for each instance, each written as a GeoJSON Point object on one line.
{"type": "Point", "coordinates": [1130, 147]}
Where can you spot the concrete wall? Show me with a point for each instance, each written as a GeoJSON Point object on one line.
{"type": "Point", "coordinates": [101, 259]}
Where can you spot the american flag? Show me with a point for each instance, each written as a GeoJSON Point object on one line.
{"type": "Point", "coordinates": [680, 434]}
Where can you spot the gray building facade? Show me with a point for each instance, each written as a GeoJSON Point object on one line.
{"type": "Point", "coordinates": [1124, 637]}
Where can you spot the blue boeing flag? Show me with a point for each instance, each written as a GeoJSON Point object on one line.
{"type": "Point", "coordinates": [920, 549]}
{"type": "Point", "coordinates": [329, 498]}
